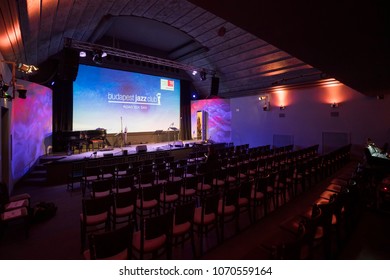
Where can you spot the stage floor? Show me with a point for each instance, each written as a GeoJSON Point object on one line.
{"type": "Point", "coordinates": [132, 149]}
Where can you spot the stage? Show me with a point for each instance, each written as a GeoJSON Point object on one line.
{"type": "Point", "coordinates": [129, 150]}
{"type": "Point", "coordinates": [58, 166]}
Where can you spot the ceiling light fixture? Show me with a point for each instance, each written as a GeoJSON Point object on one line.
{"type": "Point", "coordinates": [202, 75]}
{"type": "Point", "coordinates": [105, 50]}
{"type": "Point", "coordinates": [98, 56]}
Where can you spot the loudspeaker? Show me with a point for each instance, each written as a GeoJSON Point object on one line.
{"type": "Point", "coordinates": [108, 155]}
{"type": "Point", "coordinates": [141, 148]}
{"type": "Point", "coordinates": [124, 152]}
{"type": "Point", "coordinates": [179, 144]}
{"type": "Point", "coordinates": [69, 65]}
{"type": "Point", "coordinates": [214, 86]}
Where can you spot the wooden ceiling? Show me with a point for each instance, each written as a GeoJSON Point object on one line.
{"type": "Point", "coordinates": [251, 47]}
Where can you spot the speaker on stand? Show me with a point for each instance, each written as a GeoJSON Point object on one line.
{"type": "Point", "coordinates": [69, 65]}
{"type": "Point", "coordinates": [214, 86]}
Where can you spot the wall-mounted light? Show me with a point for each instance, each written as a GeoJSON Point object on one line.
{"type": "Point", "coordinates": [28, 69]}
{"type": "Point", "coordinates": [334, 105]}
{"type": "Point", "coordinates": [266, 106]}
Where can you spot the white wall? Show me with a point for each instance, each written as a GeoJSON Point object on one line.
{"type": "Point", "coordinates": [308, 115]}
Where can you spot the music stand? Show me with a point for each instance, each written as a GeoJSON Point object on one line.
{"type": "Point", "coordinates": [158, 133]}
{"type": "Point", "coordinates": [174, 129]}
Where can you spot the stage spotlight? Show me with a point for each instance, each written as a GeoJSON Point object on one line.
{"type": "Point", "coordinates": [82, 54]}
{"type": "Point", "coordinates": [28, 69]}
{"type": "Point", "coordinates": [22, 93]}
{"type": "Point", "coordinates": [98, 56]}
{"type": "Point", "coordinates": [194, 95]}
{"type": "Point", "coordinates": [194, 72]}
{"type": "Point", "coordinates": [4, 87]}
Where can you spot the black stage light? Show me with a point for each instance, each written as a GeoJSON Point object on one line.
{"type": "Point", "coordinates": [22, 93]}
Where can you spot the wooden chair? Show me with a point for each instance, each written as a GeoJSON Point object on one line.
{"type": "Point", "coordinates": [258, 195]}
{"type": "Point", "coordinates": [115, 244]}
{"type": "Point", "coordinates": [148, 202]}
{"type": "Point", "coordinates": [171, 194]}
{"type": "Point", "coordinates": [206, 218]}
{"type": "Point", "coordinates": [183, 225]}
{"type": "Point", "coordinates": [124, 208]}
{"type": "Point", "coordinates": [101, 188]}
{"type": "Point", "coordinates": [124, 184]}
{"type": "Point", "coordinates": [154, 236]}
{"type": "Point", "coordinates": [228, 209]}
{"type": "Point", "coordinates": [95, 216]}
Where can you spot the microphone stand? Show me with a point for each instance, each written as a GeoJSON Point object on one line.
{"type": "Point", "coordinates": [121, 133]}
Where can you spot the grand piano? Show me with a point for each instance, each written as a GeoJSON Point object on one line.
{"type": "Point", "coordinates": [75, 140]}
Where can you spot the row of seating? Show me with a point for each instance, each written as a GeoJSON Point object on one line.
{"type": "Point", "coordinates": [228, 193]}
{"type": "Point", "coordinates": [318, 232]}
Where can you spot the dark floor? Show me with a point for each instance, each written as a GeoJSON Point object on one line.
{"type": "Point", "coordinates": [59, 237]}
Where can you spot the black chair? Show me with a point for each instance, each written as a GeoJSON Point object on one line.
{"type": "Point", "coordinates": [206, 218]}
{"type": "Point", "coordinates": [95, 216]}
{"type": "Point", "coordinates": [154, 236]}
{"type": "Point", "coordinates": [111, 245]}
{"type": "Point", "coordinates": [228, 209]}
{"type": "Point", "coordinates": [148, 202]}
{"type": "Point", "coordinates": [170, 194]}
{"type": "Point", "coordinates": [183, 225]}
{"type": "Point", "coordinates": [101, 188]}
{"type": "Point", "coordinates": [258, 195]}
{"type": "Point", "coordinates": [124, 209]}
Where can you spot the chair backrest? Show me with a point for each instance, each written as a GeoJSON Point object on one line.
{"type": "Point", "coordinates": [125, 199]}
{"type": "Point", "coordinates": [153, 227]}
{"type": "Point", "coordinates": [191, 168]}
{"type": "Point", "coordinates": [94, 171]}
{"type": "Point", "coordinates": [246, 188]}
{"type": "Point", "coordinates": [163, 174]}
{"type": "Point", "coordinates": [261, 183]}
{"type": "Point", "coordinates": [210, 203]}
{"type": "Point", "coordinates": [327, 211]}
{"type": "Point", "coordinates": [124, 182]}
{"type": "Point", "coordinates": [150, 193]}
{"type": "Point", "coordinates": [191, 182]}
{"type": "Point", "coordinates": [95, 206]}
{"type": "Point", "coordinates": [173, 187]}
{"type": "Point", "coordinates": [184, 212]}
{"type": "Point", "coordinates": [114, 244]}
{"type": "Point", "coordinates": [146, 178]}
{"type": "Point", "coordinates": [231, 196]}
{"type": "Point", "coordinates": [101, 187]}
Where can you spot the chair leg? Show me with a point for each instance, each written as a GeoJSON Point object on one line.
{"type": "Point", "coordinates": [83, 237]}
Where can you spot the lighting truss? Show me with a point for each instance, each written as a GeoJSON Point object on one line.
{"type": "Point", "coordinates": [84, 46]}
